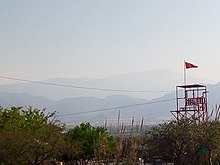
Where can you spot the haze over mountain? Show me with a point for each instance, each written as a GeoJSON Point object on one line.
{"type": "Point", "coordinates": [153, 81]}
{"type": "Point", "coordinates": [76, 105]}
{"type": "Point", "coordinates": [92, 109]}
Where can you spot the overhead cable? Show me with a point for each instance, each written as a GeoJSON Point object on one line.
{"type": "Point", "coordinates": [84, 87]}
{"type": "Point", "coordinates": [119, 107]}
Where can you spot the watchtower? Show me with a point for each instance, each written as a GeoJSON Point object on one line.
{"type": "Point", "coordinates": [191, 100]}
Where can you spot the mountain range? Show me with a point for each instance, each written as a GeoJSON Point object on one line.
{"type": "Point", "coordinates": [78, 105]}
{"type": "Point", "coordinates": [154, 80]}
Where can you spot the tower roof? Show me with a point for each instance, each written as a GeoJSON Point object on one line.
{"type": "Point", "coordinates": [191, 86]}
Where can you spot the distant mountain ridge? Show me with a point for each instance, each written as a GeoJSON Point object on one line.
{"type": "Point", "coordinates": [75, 105]}
{"type": "Point", "coordinates": [98, 109]}
{"type": "Point", "coordinates": [81, 108]}
{"type": "Point", "coordinates": [155, 80]}
{"type": "Point", "coordinates": [83, 104]}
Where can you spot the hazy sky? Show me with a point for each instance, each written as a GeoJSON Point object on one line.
{"type": "Point", "coordinates": [98, 38]}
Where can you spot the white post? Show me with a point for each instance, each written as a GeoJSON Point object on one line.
{"type": "Point", "coordinates": [184, 66]}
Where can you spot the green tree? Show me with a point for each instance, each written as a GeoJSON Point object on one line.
{"type": "Point", "coordinates": [28, 136]}
{"type": "Point", "coordinates": [92, 144]}
{"type": "Point", "coordinates": [186, 141]}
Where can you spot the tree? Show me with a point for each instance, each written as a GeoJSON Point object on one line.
{"type": "Point", "coordinates": [186, 141]}
{"type": "Point", "coordinates": [28, 136]}
{"type": "Point", "coordinates": [85, 143]}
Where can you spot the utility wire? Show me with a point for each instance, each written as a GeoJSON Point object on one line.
{"type": "Point", "coordinates": [83, 87]}
{"type": "Point", "coordinates": [119, 107]}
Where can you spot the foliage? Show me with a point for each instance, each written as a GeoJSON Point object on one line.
{"type": "Point", "coordinates": [89, 143]}
{"type": "Point", "coordinates": [129, 144]}
{"type": "Point", "coordinates": [28, 136]}
{"type": "Point", "coordinates": [186, 141]}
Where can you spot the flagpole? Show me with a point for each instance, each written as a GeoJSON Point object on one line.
{"type": "Point", "coordinates": [184, 70]}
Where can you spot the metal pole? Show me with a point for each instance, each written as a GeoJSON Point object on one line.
{"type": "Point", "coordinates": [184, 66]}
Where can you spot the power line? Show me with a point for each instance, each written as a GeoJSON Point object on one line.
{"type": "Point", "coordinates": [83, 87]}
{"type": "Point", "coordinates": [119, 107]}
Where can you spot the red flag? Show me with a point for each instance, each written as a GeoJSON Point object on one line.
{"type": "Point", "coordinates": [190, 65]}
